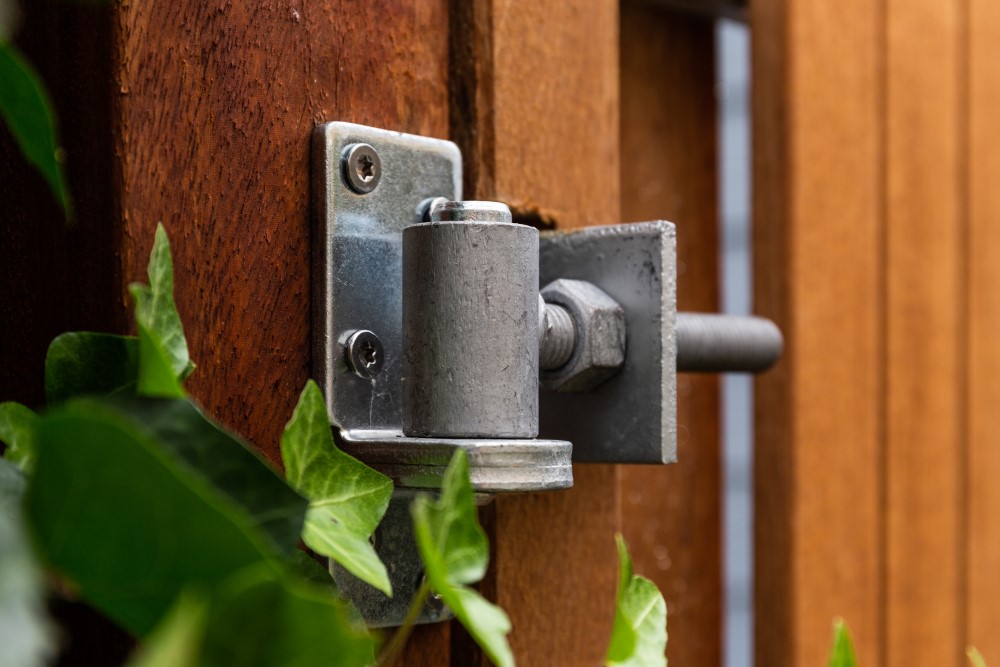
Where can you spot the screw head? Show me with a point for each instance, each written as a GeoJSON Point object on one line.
{"type": "Point", "coordinates": [362, 168]}
{"type": "Point", "coordinates": [364, 354]}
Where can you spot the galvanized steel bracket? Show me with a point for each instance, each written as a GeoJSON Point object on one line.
{"type": "Point", "coordinates": [630, 418]}
{"type": "Point", "coordinates": [619, 352]}
{"type": "Point", "coordinates": [358, 286]}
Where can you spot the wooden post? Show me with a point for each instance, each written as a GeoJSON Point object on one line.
{"type": "Point", "coordinates": [671, 515]}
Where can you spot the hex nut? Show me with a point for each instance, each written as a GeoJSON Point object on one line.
{"type": "Point", "coordinates": [599, 352]}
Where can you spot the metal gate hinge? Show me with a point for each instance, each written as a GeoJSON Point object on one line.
{"type": "Point", "coordinates": [440, 324]}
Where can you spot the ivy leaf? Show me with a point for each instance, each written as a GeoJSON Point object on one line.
{"type": "Point", "coordinates": [17, 431]}
{"type": "Point", "coordinates": [156, 376]}
{"type": "Point", "coordinates": [126, 521]}
{"type": "Point", "coordinates": [176, 640]}
{"type": "Point", "coordinates": [639, 636]}
{"type": "Point", "coordinates": [156, 315]}
{"type": "Point", "coordinates": [26, 636]}
{"type": "Point", "coordinates": [347, 499]}
{"type": "Point", "coordinates": [455, 552]}
{"type": "Point", "coordinates": [975, 657]}
{"type": "Point", "coordinates": [842, 652]}
{"type": "Point", "coordinates": [84, 363]}
{"type": "Point", "coordinates": [228, 464]}
{"type": "Point", "coordinates": [25, 106]}
{"type": "Point", "coordinates": [259, 620]}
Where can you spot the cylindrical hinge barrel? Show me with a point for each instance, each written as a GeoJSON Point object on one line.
{"type": "Point", "coordinates": [726, 343]}
{"type": "Point", "coordinates": [470, 324]}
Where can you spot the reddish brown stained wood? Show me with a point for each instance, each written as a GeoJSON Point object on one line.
{"type": "Point", "coordinates": [983, 159]}
{"type": "Point", "coordinates": [215, 104]}
{"type": "Point", "coordinates": [818, 244]}
{"type": "Point", "coordinates": [925, 264]}
{"type": "Point", "coordinates": [671, 514]}
{"type": "Point", "coordinates": [535, 110]}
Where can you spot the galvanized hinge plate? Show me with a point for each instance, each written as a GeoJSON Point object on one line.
{"type": "Point", "coordinates": [630, 418]}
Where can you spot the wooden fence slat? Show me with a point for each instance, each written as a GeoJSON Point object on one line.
{"type": "Point", "coordinates": [215, 107]}
{"type": "Point", "coordinates": [671, 515]}
{"type": "Point", "coordinates": [984, 326]}
{"type": "Point", "coordinates": [535, 111]}
{"type": "Point", "coordinates": [817, 254]}
{"type": "Point", "coordinates": [924, 334]}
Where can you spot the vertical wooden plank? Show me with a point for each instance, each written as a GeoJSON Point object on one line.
{"type": "Point", "coordinates": [818, 232]}
{"type": "Point", "coordinates": [984, 324]}
{"type": "Point", "coordinates": [925, 334]}
{"type": "Point", "coordinates": [671, 515]}
{"type": "Point", "coordinates": [215, 105]}
{"type": "Point", "coordinates": [536, 114]}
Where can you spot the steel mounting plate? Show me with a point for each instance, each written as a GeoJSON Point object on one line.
{"type": "Point", "coordinates": [630, 418]}
{"type": "Point", "coordinates": [358, 261]}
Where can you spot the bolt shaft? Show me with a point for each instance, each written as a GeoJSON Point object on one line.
{"type": "Point", "coordinates": [726, 343]}
{"type": "Point", "coordinates": [556, 338]}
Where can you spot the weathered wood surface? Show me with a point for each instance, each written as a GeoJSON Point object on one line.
{"type": "Point", "coordinates": [983, 163]}
{"type": "Point", "coordinates": [818, 258]}
{"type": "Point", "coordinates": [876, 213]}
{"type": "Point", "coordinates": [535, 110]}
{"type": "Point", "coordinates": [925, 333]}
{"type": "Point", "coordinates": [215, 103]}
{"type": "Point", "coordinates": [671, 515]}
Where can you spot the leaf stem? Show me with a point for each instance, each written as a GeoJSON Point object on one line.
{"type": "Point", "coordinates": [395, 646]}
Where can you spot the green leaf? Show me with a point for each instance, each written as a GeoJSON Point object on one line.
{"type": "Point", "coordinates": [259, 620]}
{"type": "Point", "coordinates": [347, 499]}
{"type": "Point", "coordinates": [25, 106]}
{"type": "Point", "coordinates": [126, 521]}
{"type": "Point", "coordinates": [17, 431]}
{"type": "Point", "coordinates": [156, 377]}
{"type": "Point", "coordinates": [176, 641]}
{"type": "Point", "coordinates": [639, 636]}
{"type": "Point", "coordinates": [455, 552]}
{"type": "Point", "coordinates": [156, 313]}
{"type": "Point", "coordinates": [304, 568]}
{"type": "Point", "coordinates": [842, 652]}
{"type": "Point", "coordinates": [224, 461]}
{"type": "Point", "coordinates": [26, 636]}
{"type": "Point", "coordinates": [83, 363]}
{"type": "Point", "coordinates": [974, 657]}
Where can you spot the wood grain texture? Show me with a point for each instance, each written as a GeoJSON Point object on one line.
{"type": "Point", "coordinates": [925, 334]}
{"type": "Point", "coordinates": [671, 515]}
{"type": "Point", "coordinates": [536, 115]}
{"type": "Point", "coordinates": [215, 104]}
{"type": "Point", "coordinates": [983, 159]}
{"type": "Point", "coordinates": [818, 244]}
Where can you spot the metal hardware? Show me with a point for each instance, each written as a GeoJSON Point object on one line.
{"type": "Point", "coordinates": [464, 336]}
{"type": "Point", "coordinates": [556, 337]}
{"type": "Point", "coordinates": [362, 168]}
{"type": "Point", "coordinates": [470, 318]}
{"type": "Point", "coordinates": [710, 343]}
{"type": "Point", "coordinates": [629, 418]}
{"type": "Point", "coordinates": [364, 354]}
{"type": "Point", "coordinates": [598, 349]}
{"type": "Point", "coordinates": [394, 541]}
{"type": "Point", "coordinates": [359, 285]}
